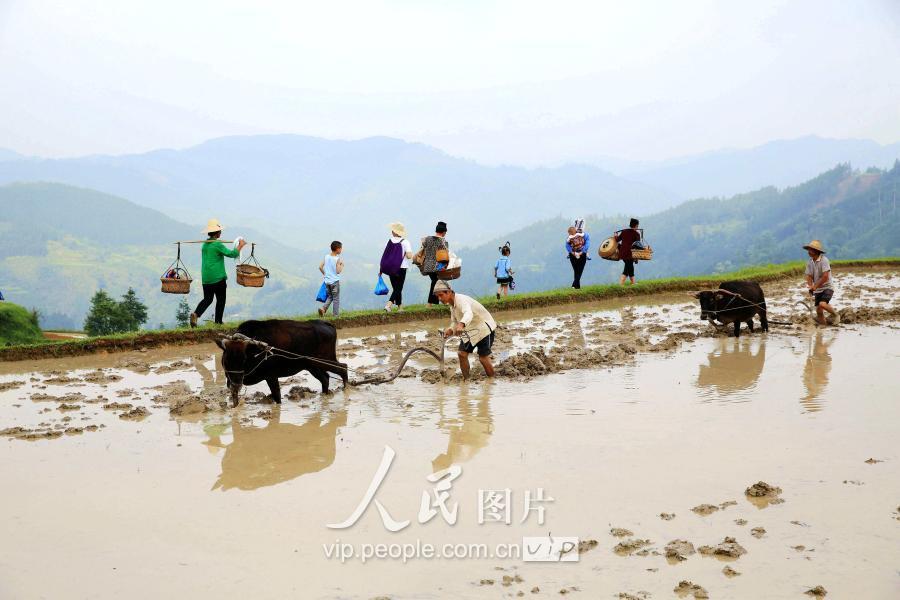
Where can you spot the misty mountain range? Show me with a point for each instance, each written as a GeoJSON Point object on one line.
{"type": "Point", "coordinates": [295, 194]}
{"type": "Point", "coordinates": [281, 184]}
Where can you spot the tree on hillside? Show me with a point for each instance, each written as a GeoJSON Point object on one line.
{"type": "Point", "coordinates": [133, 310]}
{"type": "Point", "coordinates": [183, 314]}
{"type": "Point", "coordinates": [106, 316]}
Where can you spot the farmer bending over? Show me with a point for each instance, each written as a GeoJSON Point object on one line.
{"type": "Point", "coordinates": [820, 282]}
{"type": "Point", "coordinates": [473, 323]}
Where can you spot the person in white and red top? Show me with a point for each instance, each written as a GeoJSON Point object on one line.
{"type": "Point", "coordinates": [472, 323]}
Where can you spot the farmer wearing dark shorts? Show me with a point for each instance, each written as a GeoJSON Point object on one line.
{"type": "Point", "coordinates": [626, 239]}
{"type": "Point", "coordinates": [820, 282]}
{"type": "Point", "coordinates": [472, 323]}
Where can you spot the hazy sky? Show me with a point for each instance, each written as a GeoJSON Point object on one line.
{"type": "Point", "coordinates": [505, 81]}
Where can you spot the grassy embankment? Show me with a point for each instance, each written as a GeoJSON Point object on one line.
{"type": "Point", "coordinates": [420, 312]}
{"type": "Point", "coordinates": [18, 326]}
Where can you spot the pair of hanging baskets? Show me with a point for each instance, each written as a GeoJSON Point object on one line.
{"type": "Point", "coordinates": [177, 279]}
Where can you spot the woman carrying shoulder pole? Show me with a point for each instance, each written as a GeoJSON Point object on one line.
{"type": "Point", "coordinates": [213, 253]}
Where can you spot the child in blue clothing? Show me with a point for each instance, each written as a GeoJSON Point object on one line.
{"type": "Point", "coordinates": [503, 271]}
{"type": "Point", "coordinates": [331, 267]}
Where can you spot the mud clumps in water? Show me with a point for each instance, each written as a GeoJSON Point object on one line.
{"type": "Point", "coordinates": [67, 407]}
{"type": "Point", "coordinates": [762, 494]}
{"type": "Point", "coordinates": [705, 509]}
{"type": "Point", "coordinates": [197, 404]}
{"type": "Point", "coordinates": [10, 385]}
{"type": "Point", "coordinates": [635, 596]}
{"type": "Point", "coordinates": [729, 572]}
{"type": "Point", "coordinates": [762, 489]}
{"type": "Point", "coordinates": [101, 377]}
{"type": "Point", "coordinates": [728, 548]}
{"type": "Point", "coordinates": [758, 532]}
{"type": "Point", "coordinates": [628, 547]}
{"type": "Point", "coordinates": [679, 550]}
{"type": "Point", "coordinates": [666, 516]}
{"type": "Point", "coordinates": [816, 592]}
{"type": "Point", "coordinates": [118, 406]}
{"type": "Point", "coordinates": [687, 588]}
{"type": "Point", "coordinates": [67, 399]}
{"type": "Point", "coordinates": [178, 365]}
{"type": "Point", "coordinates": [135, 414]}
{"type": "Point", "coordinates": [587, 545]}
{"type": "Point", "coordinates": [620, 532]}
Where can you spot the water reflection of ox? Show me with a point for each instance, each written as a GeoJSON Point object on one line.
{"type": "Point", "coordinates": [734, 366]}
{"type": "Point", "coordinates": [278, 452]}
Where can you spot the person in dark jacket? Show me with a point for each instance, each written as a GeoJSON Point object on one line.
{"type": "Point", "coordinates": [627, 239]}
{"type": "Point", "coordinates": [430, 246]}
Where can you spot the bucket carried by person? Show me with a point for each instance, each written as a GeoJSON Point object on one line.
{"type": "Point", "coordinates": [176, 279]}
{"type": "Point", "coordinates": [250, 273]}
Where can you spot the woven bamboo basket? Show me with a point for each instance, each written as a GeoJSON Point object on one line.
{"type": "Point", "coordinates": [642, 254]}
{"type": "Point", "coordinates": [172, 285]}
{"type": "Point", "coordinates": [447, 274]}
{"type": "Point", "coordinates": [251, 275]}
{"type": "Point", "coordinates": [609, 249]}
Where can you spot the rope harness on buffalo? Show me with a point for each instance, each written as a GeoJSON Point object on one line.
{"type": "Point", "coordinates": [270, 351]}
{"type": "Point", "coordinates": [735, 296]}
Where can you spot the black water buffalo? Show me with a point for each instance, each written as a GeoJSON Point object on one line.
{"type": "Point", "coordinates": [734, 302]}
{"type": "Point", "coordinates": [252, 354]}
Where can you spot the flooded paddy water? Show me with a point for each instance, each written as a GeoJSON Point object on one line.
{"type": "Point", "coordinates": [125, 476]}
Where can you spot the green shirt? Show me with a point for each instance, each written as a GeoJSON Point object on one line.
{"type": "Point", "coordinates": [212, 268]}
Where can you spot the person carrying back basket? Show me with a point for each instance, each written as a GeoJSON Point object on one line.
{"type": "Point", "coordinates": [627, 238]}
{"type": "Point", "coordinates": [212, 271]}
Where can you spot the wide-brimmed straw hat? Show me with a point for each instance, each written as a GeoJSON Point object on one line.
{"type": "Point", "coordinates": [815, 245]}
{"type": "Point", "coordinates": [398, 228]}
{"type": "Point", "coordinates": [213, 226]}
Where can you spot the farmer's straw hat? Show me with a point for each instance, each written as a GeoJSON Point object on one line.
{"type": "Point", "coordinates": [398, 228]}
{"type": "Point", "coordinates": [442, 286]}
{"type": "Point", "coordinates": [213, 226]}
{"type": "Point", "coordinates": [815, 245]}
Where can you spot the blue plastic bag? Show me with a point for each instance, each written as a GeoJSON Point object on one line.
{"type": "Point", "coordinates": [322, 296]}
{"type": "Point", "coordinates": [380, 288]}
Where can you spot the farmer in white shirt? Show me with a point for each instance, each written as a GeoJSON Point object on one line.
{"type": "Point", "coordinates": [472, 323]}
{"type": "Point", "coordinates": [820, 282]}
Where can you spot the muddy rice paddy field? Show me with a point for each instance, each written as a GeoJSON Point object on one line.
{"type": "Point", "coordinates": [688, 464]}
